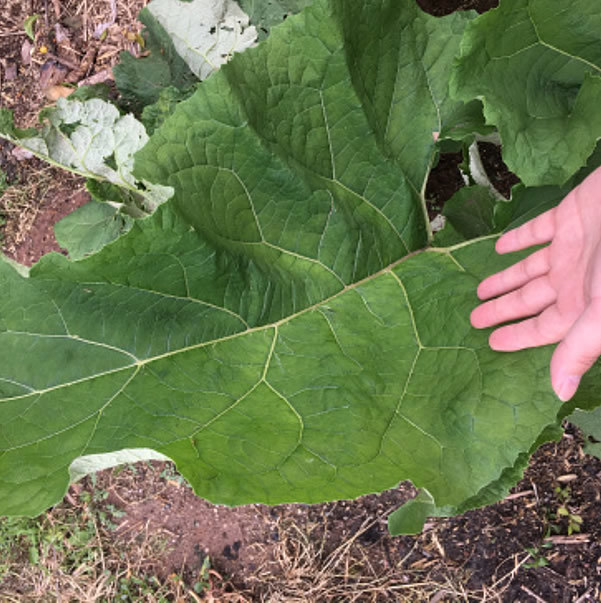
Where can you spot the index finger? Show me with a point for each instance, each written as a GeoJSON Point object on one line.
{"type": "Point", "coordinates": [537, 231]}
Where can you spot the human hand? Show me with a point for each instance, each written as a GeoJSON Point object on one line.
{"type": "Point", "coordinates": [556, 290]}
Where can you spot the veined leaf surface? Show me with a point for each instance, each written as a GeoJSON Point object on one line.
{"type": "Point", "coordinates": [270, 327]}
{"type": "Point", "coordinates": [536, 65]}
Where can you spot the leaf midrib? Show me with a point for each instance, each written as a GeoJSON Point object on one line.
{"type": "Point", "coordinates": [139, 363]}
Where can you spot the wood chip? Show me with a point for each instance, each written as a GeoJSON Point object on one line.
{"type": "Point", "coordinates": [519, 495]}
{"type": "Point", "coordinates": [62, 33]}
{"type": "Point", "coordinates": [568, 477]}
{"type": "Point", "coordinates": [51, 73]}
{"type": "Point", "coordinates": [10, 71]}
{"type": "Point", "coordinates": [55, 92]}
{"type": "Point", "coordinates": [20, 153]}
{"type": "Point", "coordinates": [57, 8]}
{"type": "Point", "coordinates": [97, 78]}
{"type": "Point", "coordinates": [26, 51]}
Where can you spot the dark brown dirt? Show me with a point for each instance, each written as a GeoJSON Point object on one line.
{"type": "Point", "coordinates": [48, 194]}
{"type": "Point", "coordinates": [445, 7]}
{"type": "Point", "coordinates": [509, 550]}
{"type": "Point", "coordinates": [496, 170]}
{"type": "Point", "coordinates": [443, 182]}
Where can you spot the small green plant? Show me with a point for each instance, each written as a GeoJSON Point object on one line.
{"type": "Point", "coordinates": [574, 521]}
{"type": "Point", "coordinates": [170, 474]}
{"type": "Point", "coordinates": [66, 537]}
{"type": "Point", "coordinates": [132, 588]}
{"type": "Point", "coordinates": [95, 502]}
{"type": "Point", "coordinates": [204, 576]}
{"type": "Point", "coordinates": [538, 552]}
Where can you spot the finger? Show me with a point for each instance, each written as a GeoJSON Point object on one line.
{"type": "Point", "coordinates": [516, 276]}
{"type": "Point", "coordinates": [529, 300]}
{"type": "Point", "coordinates": [577, 352]}
{"type": "Point", "coordinates": [546, 328]}
{"type": "Point", "coordinates": [535, 232]}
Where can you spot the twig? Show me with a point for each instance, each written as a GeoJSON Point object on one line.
{"type": "Point", "coordinates": [519, 495]}
{"type": "Point", "coordinates": [85, 20]}
{"type": "Point", "coordinates": [532, 594]}
{"type": "Point", "coordinates": [574, 539]}
{"type": "Point", "coordinates": [584, 597]}
{"type": "Point", "coordinates": [65, 62]}
{"type": "Point", "coordinates": [511, 574]}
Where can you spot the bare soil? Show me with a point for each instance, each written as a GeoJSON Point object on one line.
{"type": "Point", "coordinates": [521, 549]}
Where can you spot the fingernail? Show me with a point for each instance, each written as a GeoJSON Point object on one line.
{"type": "Point", "coordinates": [567, 386]}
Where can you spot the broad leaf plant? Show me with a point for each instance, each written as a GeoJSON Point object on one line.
{"type": "Point", "coordinates": [286, 327]}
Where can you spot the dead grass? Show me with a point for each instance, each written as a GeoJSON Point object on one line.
{"type": "Point", "coordinates": [84, 549]}
{"type": "Point", "coordinates": [21, 202]}
{"type": "Point", "coordinates": [73, 552]}
{"type": "Point", "coordinates": [304, 571]}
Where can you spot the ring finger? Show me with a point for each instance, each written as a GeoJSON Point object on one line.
{"type": "Point", "coordinates": [526, 301]}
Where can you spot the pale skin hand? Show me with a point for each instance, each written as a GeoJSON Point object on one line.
{"type": "Point", "coordinates": [556, 291]}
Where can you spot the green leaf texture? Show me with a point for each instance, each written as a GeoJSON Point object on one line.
{"type": "Point", "coordinates": [140, 80]}
{"type": "Point", "coordinates": [89, 228]}
{"type": "Point", "coordinates": [265, 14]}
{"type": "Point", "coordinates": [270, 328]}
{"type": "Point", "coordinates": [536, 66]}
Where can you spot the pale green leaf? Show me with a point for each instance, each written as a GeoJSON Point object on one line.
{"type": "Point", "coordinates": [205, 33]}
{"type": "Point", "coordinates": [91, 138]}
{"type": "Point", "coordinates": [86, 465]}
{"type": "Point", "coordinates": [410, 518]}
{"type": "Point", "coordinates": [29, 25]}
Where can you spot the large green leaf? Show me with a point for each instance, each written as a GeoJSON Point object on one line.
{"type": "Point", "coordinates": [536, 65]}
{"type": "Point", "coordinates": [270, 328]}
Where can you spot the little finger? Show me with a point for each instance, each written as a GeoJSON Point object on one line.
{"type": "Point", "coordinates": [526, 301]}
{"type": "Point", "coordinates": [546, 328]}
{"type": "Point", "coordinates": [577, 352]}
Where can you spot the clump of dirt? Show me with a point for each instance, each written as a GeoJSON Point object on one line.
{"type": "Point", "coordinates": [446, 7]}
{"type": "Point", "coordinates": [497, 171]}
{"type": "Point", "coordinates": [444, 180]}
